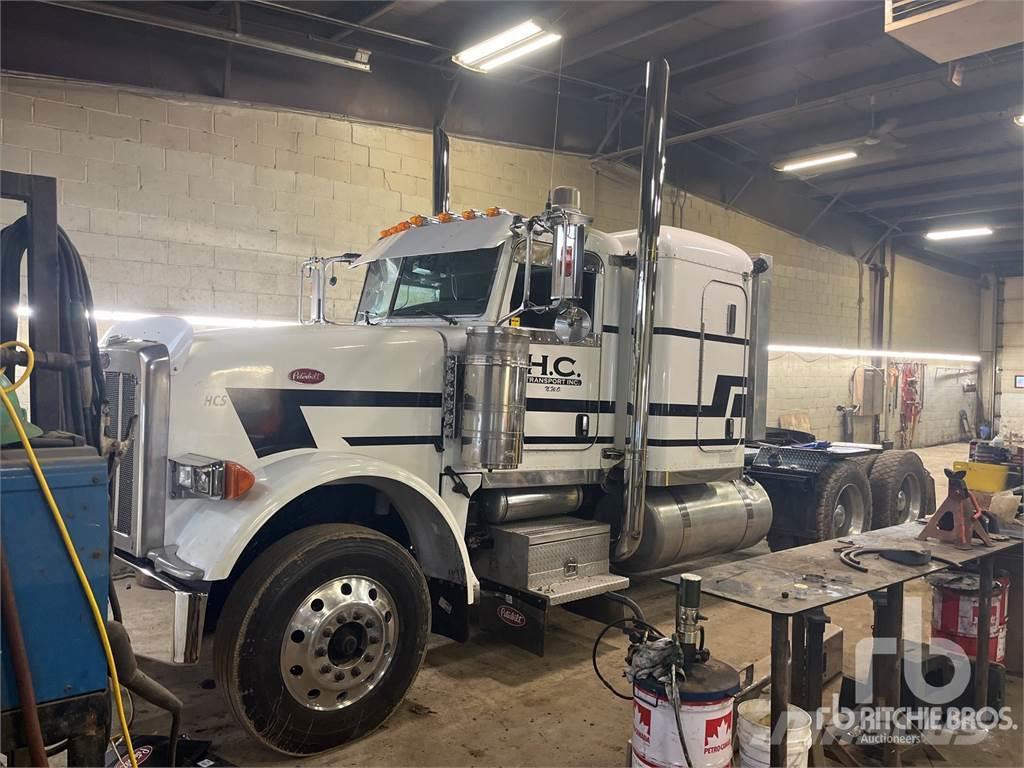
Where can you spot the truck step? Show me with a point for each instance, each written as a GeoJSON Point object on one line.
{"type": "Point", "coordinates": [561, 558]}
{"type": "Point", "coordinates": [589, 586]}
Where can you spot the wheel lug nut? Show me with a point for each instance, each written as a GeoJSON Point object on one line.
{"type": "Point", "coordinates": [341, 618]}
{"type": "Point", "coordinates": [369, 624]}
{"type": "Point", "coordinates": [320, 651]}
{"type": "Point", "coordinates": [368, 658]}
{"type": "Point", "coordinates": [325, 669]}
{"type": "Point", "coordinates": [374, 639]}
{"type": "Point", "coordinates": [357, 616]}
{"type": "Point", "coordinates": [328, 632]}
{"type": "Point", "coordinates": [339, 676]}
{"type": "Point", "coordinates": [355, 672]}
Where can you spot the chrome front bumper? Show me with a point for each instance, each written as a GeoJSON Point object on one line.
{"type": "Point", "coordinates": [185, 614]}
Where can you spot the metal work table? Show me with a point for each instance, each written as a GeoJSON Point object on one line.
{"type": "Point", "coordinates": [798, 583]}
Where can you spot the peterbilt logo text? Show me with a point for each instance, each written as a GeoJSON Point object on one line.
{"type": "Point", "coordinates": [511, 616]}
{"type": "Point", "coordinates": [307, 376]}
{"type": "Point", "coordinates": [548, 369]}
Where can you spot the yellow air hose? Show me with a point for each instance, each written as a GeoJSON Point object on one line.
{"type": "Point", "coordinates": [97, 615]}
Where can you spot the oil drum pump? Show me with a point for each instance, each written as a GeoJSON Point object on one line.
{"type": "Point", "coordinates": [683, 699]}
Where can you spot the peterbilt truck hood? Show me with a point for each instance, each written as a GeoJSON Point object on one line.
{"type": "Point", "coordinates": [246, 394]}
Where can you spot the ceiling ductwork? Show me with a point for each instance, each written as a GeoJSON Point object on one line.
{"type": "Point", "coordinates": [947, 30]}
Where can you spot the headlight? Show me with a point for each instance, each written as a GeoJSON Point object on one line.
{"type": "Point", "coordinates": [200, 476]}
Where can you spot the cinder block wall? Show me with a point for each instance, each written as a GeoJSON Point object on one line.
{"type": "Point", "coordinates": [1012, 356]}
{"type": "Point", "coordinates": [208, 207]}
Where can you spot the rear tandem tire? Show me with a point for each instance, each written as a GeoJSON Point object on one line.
{"type": "Point", "coordinates": [900, 489]}
{"type": "Point", "coordinates": [321, 637]}
{"type": "Point", "coordinates": [842, 502]}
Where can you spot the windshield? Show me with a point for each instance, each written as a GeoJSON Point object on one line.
{"type": "Point", "coordinates": [456, 283]}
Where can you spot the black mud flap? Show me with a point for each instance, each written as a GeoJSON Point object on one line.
{"type": "Point", "coordinates": [449, 613]}
{"type": "Point", "coordinates": [519, 618]}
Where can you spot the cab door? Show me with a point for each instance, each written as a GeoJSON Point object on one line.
{"type": "Point", "coordinates": [722, 366]}
{"type": "Point", "coordinates": [563, 393]}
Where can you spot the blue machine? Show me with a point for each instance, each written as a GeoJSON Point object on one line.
{"type": "Point", "coordinates": [65, 654]}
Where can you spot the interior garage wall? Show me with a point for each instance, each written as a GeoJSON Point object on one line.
{"type": "Point", "coordinates": [208, 207]}
{"type": "Point", "coordinates": [1011, 355]}
{"type": "Point", "coordinates": [934, 311]}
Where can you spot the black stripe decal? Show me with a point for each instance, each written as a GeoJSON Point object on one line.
{"type": "Point", "coordinates": [662, 331]}
{"type": "Point", "coordinates": [716, 408]}
{"type": "Point", "coordinates": [393, 440]}
{"type": "Point", "coordinates": [567, 440]}
{"type": "Point", "coordinates": [553, 405]}
{"type": "Point", "coordinates": [273, 420]}
{"type": "Point", "coordinates": [686, 334]}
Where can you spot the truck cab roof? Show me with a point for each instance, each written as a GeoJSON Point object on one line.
{"type": "Point", "coordinates": [490, 231]}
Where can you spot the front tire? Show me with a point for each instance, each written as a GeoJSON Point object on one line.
{"type": "Point", "coordinates": [321, 637]}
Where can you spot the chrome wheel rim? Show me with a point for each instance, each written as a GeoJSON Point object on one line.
{"type": "Point", "coordinates": [339, 643]}
{"type": "Point", "coordinates": [848, 516]}
{"type": "Point", "coordinates": [908, 500]}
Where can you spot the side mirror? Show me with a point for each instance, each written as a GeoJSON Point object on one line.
{"type": "Point", "coordinates": [572, 324]}
{"type": "Point", "coordinates": [568, 242]}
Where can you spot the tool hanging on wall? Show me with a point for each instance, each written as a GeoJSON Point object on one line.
{"type": "Point", "coordinates": [911, 395]}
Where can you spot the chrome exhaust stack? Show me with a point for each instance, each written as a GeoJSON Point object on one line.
{"type": "Point", "coordinates": [441, 172]}
{"type": "Point", "coordinates": [652, 176]}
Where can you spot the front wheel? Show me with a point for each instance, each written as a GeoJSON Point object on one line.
{"type": "Point", "coordinates": [321, 637]}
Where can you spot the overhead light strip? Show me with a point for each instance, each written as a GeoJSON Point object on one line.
{"type": "Point", "coordinates": [954, 234]}
{"type": "Point", "coordinates": [883, 353]}
{"type": "Point", "coordinates": [788, 166]}
{"type": "Point", "coordinates": [505, 47]}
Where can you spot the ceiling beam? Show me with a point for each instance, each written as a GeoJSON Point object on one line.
{"type": "Point", "coordinates": [998, 223]}
{"type": "Point", "coordinates": [367, 19]}
{"type": "Point", "coordinates": [948, 171]}
{"type": "Point", "coordinates": [629, 28]}
{"type": "Point", "coordinates": [812, 98]}
{"type": "Point", "coordinates": [962, 195]}
{"type": "Point", "coordinates": [742, 42]}
{"type": "Point", "coordinates": [977, 205]}
{"type": "Point", "coordinates": [1002, 100]}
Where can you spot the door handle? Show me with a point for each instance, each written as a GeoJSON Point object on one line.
{"type": "Point", "coordinates": [582, 425]}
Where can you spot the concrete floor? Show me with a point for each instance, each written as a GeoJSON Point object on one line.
{"type": "Point", "coordinates": [487, 703]}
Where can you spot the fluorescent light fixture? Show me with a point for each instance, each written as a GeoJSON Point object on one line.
{"type": "Point", "coordinates": [1019, 120]}
{"type": "Point", "coordinates": [953, 234]}
{"type": "Point", "coordinates": [789, 166]}
{"type": "Point", "coordinates": [504, 47]}
{"type": "Point", "coordinates": [198, 321]}
{"type": "Point", "coordinates": [885, 353]}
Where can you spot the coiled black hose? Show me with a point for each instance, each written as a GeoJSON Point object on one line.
{"type": "Point", "coordinates": [82, 384]}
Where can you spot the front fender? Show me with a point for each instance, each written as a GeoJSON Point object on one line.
{"type": "Point", "coordinates": [211, 535]}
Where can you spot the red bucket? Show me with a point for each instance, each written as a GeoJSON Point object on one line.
{"type": "Point", "coordinates": [955, 611]}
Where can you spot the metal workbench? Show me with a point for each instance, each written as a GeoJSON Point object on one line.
{"type": "Point", "coordinates": [798, 583]}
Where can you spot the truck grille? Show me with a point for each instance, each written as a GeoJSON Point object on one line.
{"type": "Point", "coordinates": [122, 390]}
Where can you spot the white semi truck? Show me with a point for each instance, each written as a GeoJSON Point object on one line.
{"type": "Point", "coordinates": [524, 411]}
